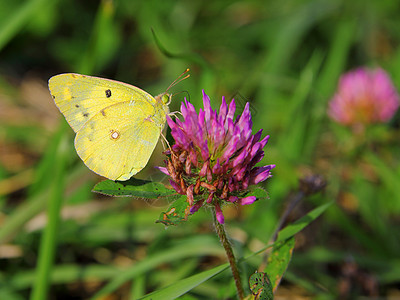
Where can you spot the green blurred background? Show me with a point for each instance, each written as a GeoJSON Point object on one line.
{"type": "Point", "coordinates": [285, 58]}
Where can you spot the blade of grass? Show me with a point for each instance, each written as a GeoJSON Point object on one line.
{"type": "Point", "coordinates": [61, 274]}
{"type": "Point", "coordinates": [103, 41]}
{"type": "Point", "coordinates": [18, 20]}
{"type": "Point", "coordinates": [297, 118]}
{"type": "Point", "coordinates": [183, 286]}
{"type": "Point", "coordinates": [49, 238]}
{"type": "Point", "coordinates": [16, 182]}
{"type": "Point", "coordinates": [301, 223]}
{"type": "Point", "coordinates": [195, 248]}
{"type": "Point", "coordinates": [138, 287]}
{"type": "Point", "coordinates": [288, 36]}
{"type": "Point", "coordinates": [337, 57]}
{"type": "Point", "coordinates": [175, 290]}
{"type": "Point", "coordinates": [327, 80]}
{"type": "Point", "coordinates": [338, 217]}
{"type": "Point", "coordinates": [37, 194]}
{"type": "Point", "coordinates": [293, 30]}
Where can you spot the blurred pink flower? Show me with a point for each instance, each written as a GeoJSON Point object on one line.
{"type": "Point", "coordinates": [363, 97]}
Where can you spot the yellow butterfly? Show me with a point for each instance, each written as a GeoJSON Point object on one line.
{"type": "Point", "coordinates": [117, 125]}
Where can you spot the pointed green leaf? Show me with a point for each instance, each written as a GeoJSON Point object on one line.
{"type": "Point", "coordinates": [183, 286]}
{"type": "Point", "coordinates": [279, 260]}
{"type": "Point", "coordinates": [259, 192]}
{"type": "Point", "coordinates": [177, 212]}
{"type": "Point", "coordinates": [299, 225]}
{"type": "Point", "coordinates": [133, 188]}
{"type": "Point", "coordinates": [196, 246]}
{"type": "Point", "coordinates": [260, 286]}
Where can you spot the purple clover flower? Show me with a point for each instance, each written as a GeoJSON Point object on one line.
{"type": "Point", "coordinates": [214, 156]}
{"type": "Point", "coordinates": [364, 97]}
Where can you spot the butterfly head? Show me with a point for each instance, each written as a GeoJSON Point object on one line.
{"type": "Point", "coordinates": [164, 98]}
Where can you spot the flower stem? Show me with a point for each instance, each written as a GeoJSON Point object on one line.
{"type": "Point", "coordinates": [229, 253]}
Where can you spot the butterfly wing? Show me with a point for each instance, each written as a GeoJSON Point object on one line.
{"type": "Point", "coordinates": [118, 141]}
{"type": "Point", "coordinates": [80, 97]}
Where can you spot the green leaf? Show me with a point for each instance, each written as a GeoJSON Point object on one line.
{"type": "Point", "coordinates": [183, 286]}
{"type": "Point", "coordinates": [259, 192]}
{"type": "Point", "coordinates": [260, 286]}
{"type": "Point", "coordinates": [191, 56]}
{"type": "Point", "coordinates": [278, 261]}
{"type": "Point", "coordinates": [194, 247]}
{"type": "Point", "coordinates": [133, 187]}
{"type": "Point", "coordinates": [301, 223]}
{"type": "Point", "coordinates": [177, 212]}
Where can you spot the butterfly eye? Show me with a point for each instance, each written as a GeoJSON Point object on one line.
{"type": "Point", "coordinates": [166, 98]}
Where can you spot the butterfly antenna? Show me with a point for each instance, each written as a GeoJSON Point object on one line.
{"type": "Point", "coordinates": [179, 79]}
{"type": "Point", "coordinates": [188, 95]}
{"type": "Point", "coordinates": [173, 95]}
